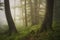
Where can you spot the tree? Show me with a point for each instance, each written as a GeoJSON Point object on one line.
{"type": "Point", "coordinates": [47, 23]}
{"type": "Point", "coordinates": [25, 15]}
{"type": "Point", "coordinates": [31, 12]}
{"type": "Point", "coordinates": [34, 12]}
{"type": "Point", "coordinates": [12, 28]}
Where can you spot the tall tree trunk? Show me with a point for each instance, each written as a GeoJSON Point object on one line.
{"type": "Point", "coordinates": [31, 12]}
{"type": "Point", "coordinates": [22, 10]}
{"type": "Point", "coordinates": [34, 10]}
{"type": "Point", "coordinates": [47, 23]}
{"type": "Point", "coordinates": [12, 28]}
{"type": "Point", "coordinates": [25, 15]}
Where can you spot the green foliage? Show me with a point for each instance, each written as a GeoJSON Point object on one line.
{"type": "Point", "coordinates": [12, 37]}
{"type": "Point", "coordinates": [31, 32]}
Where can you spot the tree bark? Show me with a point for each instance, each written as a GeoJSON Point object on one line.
{"type": "Point", "coordinates": [12, 28]}
{"type": "Point", "coordinates": [25, 15]}
{"type": "Point", "coordinates": [47, 23]}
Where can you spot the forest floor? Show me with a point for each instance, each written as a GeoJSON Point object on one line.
{"type": "Point", "coordinates": [30, 33]}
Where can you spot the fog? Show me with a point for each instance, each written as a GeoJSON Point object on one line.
{"type": "Point", "coordinates": [15, 12]}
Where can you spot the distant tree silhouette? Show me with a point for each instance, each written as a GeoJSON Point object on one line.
{"type": "Point", "coordinates": [34, 12]}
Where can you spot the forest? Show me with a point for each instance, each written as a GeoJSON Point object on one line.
{"type": "Point", "coordinates": [29, 20]}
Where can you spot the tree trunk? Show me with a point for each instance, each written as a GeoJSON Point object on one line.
{"type": "Point", "coordinates": [47, 23]}
{"type": "Point", "coordinates": [25, 15]}
{"type": "Point", "coordinates": [31, 12]}
{"type": "Point", "coordinates": [34, 12]}
{"type": "Point", "coordinates": [12, 28]}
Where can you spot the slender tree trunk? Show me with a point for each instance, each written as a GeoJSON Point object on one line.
{"type": "Point", "coordinates": [47, 23]}
{"type": "Point", "coordinates": [12, 28]}
{"type": "Point", "coordinates": [31, 12]}
{"type": "Point", "coordinates": [25, 15]}
{"type": "Point", "coordinates": [22, 10]}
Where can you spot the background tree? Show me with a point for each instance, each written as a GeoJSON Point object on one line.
{"type": "Point", "coordinates": [34, 11]}
{"type": "Point", "coordinates": [25, 15]}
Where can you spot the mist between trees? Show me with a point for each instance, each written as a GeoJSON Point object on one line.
{"type": "Point", "coordinates": [29, 19]}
